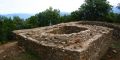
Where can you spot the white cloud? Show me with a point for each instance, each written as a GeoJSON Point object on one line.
{"type": "Point", "coordinates": [35, 6]}
{"type": "Point", "coordinates": [114, 2]}
{"type": "Point", "coordinates": [67, 5]}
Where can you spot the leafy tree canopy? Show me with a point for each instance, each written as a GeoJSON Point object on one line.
{"type": "Point", "coordinates": [93, 10]}
{"type": "Point", "coordinates": [45, 18]}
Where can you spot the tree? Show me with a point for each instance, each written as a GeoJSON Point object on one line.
{"type": "Point", "coordinates": [76, 15]}
{"type": "Point", "coordinates": [1, 27]}
{"type": "Point", "coordinates": [7, 25]}
{"type": "Point", "coordinates": [93, 10]}
{"type": "Point", "coordinates": [50, 16]}
{"type": "Point", "coordinates": [65, 18]}
{"type": "Point", "coordinates": [6, 28]}
{"type": "Point", "coordinates": [32, 22]}
{"type": "Point", "coordinates": [45, 18]}
{"type": "Point", "coordinates": [18, 22]}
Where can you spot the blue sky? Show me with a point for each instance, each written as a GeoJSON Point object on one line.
{"type": "Point", "coordinates": [35, 6]}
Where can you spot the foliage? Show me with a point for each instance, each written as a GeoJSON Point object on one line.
{"type": "Point", "coordinates": [18, 22]}
{"type": "Point", "coordinates": [32, 22]}
{"type": "Point", "coordinates": [65, 18]}
{"type": "Point", "coordinates": [48, 17]}
{"type": "Point", "coordinates": [93, 10]}
{"type": "Point", "coordinates": [77, 15]}
{"type": "Point", "coordinates": [7, 25]}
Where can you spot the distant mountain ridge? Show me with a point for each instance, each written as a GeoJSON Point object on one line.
{"type": "Point", "coordinates": [25, 16]}
{"type": "Point", "coordinates": [21, 15]}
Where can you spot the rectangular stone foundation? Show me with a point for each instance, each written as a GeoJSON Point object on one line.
{"type": "Point", "coordinates": [60, 42]}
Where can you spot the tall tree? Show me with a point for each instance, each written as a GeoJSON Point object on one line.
{"type": "Point", "coordinates": [48, 17]}
{"type": "Point", "coordinates": [6, 28]}
{"type": "Point", "coordinates": [1, 27]}
{"type": "Point", "coordinates": [18, 22]}
{"type": "Point", "coordinates": [94, 10]}
{"type": "Point", "coordinates": [32, 22]}
{"type": "Point", "coordinates": [51, 16]}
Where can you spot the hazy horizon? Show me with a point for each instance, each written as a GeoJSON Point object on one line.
{"type": "Point", "coordinates": [35, 6]}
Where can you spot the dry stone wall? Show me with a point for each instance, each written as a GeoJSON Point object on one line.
{"type": "Point", "coordinates": [83, 40]}
{"type": "Point", "coordinates": [116, 27]}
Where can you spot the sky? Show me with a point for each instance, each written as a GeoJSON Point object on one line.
{"type": "Point", "coordinates": [36, 6]}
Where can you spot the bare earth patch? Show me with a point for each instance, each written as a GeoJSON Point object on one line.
{"type": "Point", "coordinates": [112, 54]}
{"type": "Point", "coordinates": [114, 51]}
{"type": "Point", "coordinates": [11, 51]}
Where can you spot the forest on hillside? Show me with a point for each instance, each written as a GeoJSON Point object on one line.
{"type": "Point", "coordinates": [91, 10]}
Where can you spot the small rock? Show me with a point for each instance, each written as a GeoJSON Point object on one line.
{"type": "Point", "coordinates": [114, 51]}
{"type": "Point", "coordinates": [63, 42]}
{"type": "Point", "coordinates": [4, 56]}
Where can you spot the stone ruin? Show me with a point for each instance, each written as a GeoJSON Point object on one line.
{"type": "Point", "coordinates": [83, 40]}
